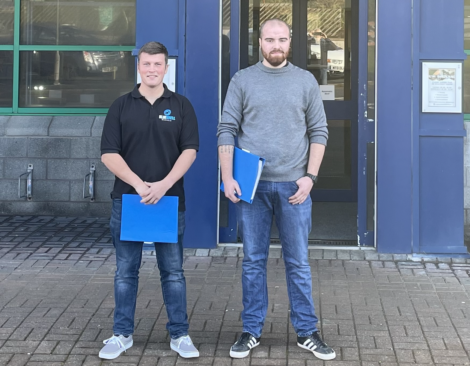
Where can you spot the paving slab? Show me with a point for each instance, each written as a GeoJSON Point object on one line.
{"type": "Point", "coordinates": [56, 303]}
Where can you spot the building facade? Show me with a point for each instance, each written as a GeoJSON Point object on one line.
{"type": "Point", "coordinates": [395, 170]}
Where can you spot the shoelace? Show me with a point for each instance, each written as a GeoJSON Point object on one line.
{"type": "Point", "coordinates": [115, 340]}
{"type": "Point", "coordinates": [245, 338]}
{"type": "Point", "coordinates": [186, 340]}
{"type": "Point", "coordinates": [317, 341]}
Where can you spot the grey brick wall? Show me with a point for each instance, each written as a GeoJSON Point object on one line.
{"type": "Point", "coordinates": [61, 149]}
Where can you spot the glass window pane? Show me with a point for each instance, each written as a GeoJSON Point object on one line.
{"type": "Point", "coordinates": [225, 80]}
{"type": "Point", "coordinates": [329, 44]}
{"type": "Point", "coordinates": [74, 78]}
{"type": "Point", "coordinates": [225, 47]}
{"type": "Point", "coordinates": [259, 12]}
{"type": "Point", "coordinates": [65, 22]}
{"type": "Point", "coordinates": [335, 170]}
{"type": "Point", "coordinates": [466, 86]}
{"type": "Point", "coordinates": [6, 21]}
{"type": "Point", "coordinates": [6, 79]}
{"type": "Point", "coordinates": [467, 25]}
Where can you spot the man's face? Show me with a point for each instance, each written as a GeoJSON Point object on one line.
{"type": "Point", "coordinates": [152, 69]}
{"type": "Point", "coordinates": [275, 43]}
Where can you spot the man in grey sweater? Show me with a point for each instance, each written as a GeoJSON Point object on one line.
{"type": "Point", "coordinates": [275, 110]}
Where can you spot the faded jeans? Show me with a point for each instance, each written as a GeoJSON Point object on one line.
{"type": "Point", "coordinates": [294, 224]}
{"type": "Point", "coordinates": [126, 280]}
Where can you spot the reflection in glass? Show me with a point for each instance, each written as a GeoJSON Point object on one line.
{"type": "Point", "coordinates": [259, 12]}
{"type": "Point", "coordinates": [6, 79]}
{"type": "Point", "coordinates": [6, 21]}
{"type": "Point", "coordinates": [371, 61]}
{"type": "Point", "coordinates": [225, 47]}
{"type": "Point", "coordinates": [79, 79]}
{"type": "Point", "coordinates": [466, 86]}
{"type": "Point", "coordinates": [467, 25]}
{"type": "Point", "coordinates": [55, 22]}
{"type": "Point", "coordinates": [329, 44]}
{"type": "Point", "coordinates": [225, 80]}
{"type": "Point", "coordinates": [335, 170]}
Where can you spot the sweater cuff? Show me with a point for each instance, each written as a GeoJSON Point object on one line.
{"type": "Point", "coordinates": [225, 139]}
{"type": "Point", "coordinates": [318, 140]}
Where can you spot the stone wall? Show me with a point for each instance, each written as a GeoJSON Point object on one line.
{"type": "Point", "coordinates": [61, 149]}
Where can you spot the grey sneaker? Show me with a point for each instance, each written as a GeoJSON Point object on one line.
{"type": "Point", "coordinates": [114, 346]}
{"type": "Point", "coordinates": [184, 346]}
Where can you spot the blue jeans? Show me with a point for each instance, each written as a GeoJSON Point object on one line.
{"type": "Point", "coordinates": [294, 224]}
{"type": "Point", "coordinates": [126, 279]}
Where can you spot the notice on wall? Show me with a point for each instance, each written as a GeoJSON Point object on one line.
{"type": "Point", "coordinates": [327, 92]}
{"type": "Point", "coordinates": [442, 87]}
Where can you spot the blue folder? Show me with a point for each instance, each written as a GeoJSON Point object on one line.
{"type": "Point", "coordinates": [247, 168]}
{"type": "Point", "coordinates": [150, 223]}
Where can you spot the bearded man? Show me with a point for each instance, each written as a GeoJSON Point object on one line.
{"type": "Point", "coordinates": [276, 111]}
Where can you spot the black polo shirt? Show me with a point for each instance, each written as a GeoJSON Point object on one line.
{"type": "Point", "coordinates": [150, 138]}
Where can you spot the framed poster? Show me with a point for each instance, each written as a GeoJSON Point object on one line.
{"type": "Point", "coordinates": [441, 87]}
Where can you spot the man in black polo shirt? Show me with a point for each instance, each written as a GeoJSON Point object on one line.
{"type": "Point", "coordinates": [150, 139]}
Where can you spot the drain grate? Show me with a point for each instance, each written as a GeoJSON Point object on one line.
{"type": "Point", "coordinates": [324, 242]}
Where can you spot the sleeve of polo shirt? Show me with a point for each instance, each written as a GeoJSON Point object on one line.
{"type": "Point", "coordinates": [189, 137]}
{"type": "Point", "coordinates": [111, 139]}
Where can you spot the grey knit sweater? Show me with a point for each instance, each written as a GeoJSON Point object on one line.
{"type": "Point", "coordinates": [276, 114]}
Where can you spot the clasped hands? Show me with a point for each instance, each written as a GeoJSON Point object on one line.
{"type": "Point", "coordinates": [151, 193]}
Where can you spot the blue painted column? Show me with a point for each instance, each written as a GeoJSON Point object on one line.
{"type": "Point", "coordinates": [419, 155]}
{"type": "Point", "coordinates": [190, 31]}
{"type": "Point", "coordinates": [394, 127]}
{"type": "Point", "coordinates": [202, 89]}
{"type": "Point", "coordinates": [438, 192]}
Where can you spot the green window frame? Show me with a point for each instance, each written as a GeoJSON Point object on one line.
{"type": "Point", "coordinates": [17, 48]}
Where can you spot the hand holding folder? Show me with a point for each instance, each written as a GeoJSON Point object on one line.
{"type": "Point", "coordinates": [247, 168]}
{"type": "Point", "coordinates": [149, 223]}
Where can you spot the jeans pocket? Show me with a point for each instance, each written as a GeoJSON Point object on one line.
{"type": "Point", "coordinates": [115, 221]}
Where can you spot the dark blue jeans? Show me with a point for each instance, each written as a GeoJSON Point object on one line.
{"type": "Point", "coordinates": [126, 280]}
{"type": "Point", "coordinates": [294, 224]}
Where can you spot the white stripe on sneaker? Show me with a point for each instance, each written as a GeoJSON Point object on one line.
{"type": "Point", "coordinates": [310, 345]}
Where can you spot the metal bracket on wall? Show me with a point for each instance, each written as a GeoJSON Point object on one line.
{"type": "Point", "coordinates": [89, 181]}
{"type": "Point", "coordinates": [29, 183]}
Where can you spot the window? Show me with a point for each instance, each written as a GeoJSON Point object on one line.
{"type": "Point", "coordinates": [65, 56]}
{"type": "Point", "coordinates": [466, 65]}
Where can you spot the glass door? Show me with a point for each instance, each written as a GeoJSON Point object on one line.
{"type": "Point", "coordinates": [324, 42]}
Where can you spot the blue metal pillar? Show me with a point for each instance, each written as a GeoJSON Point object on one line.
{"type": "Point", "coordinates": [394, 108]}
{"type": "Point", "coordinates": [438, 211]}
{"type": "Point", "coordinates": [202, 89]}
{"type": "Point", "coordinates": [419, 155]}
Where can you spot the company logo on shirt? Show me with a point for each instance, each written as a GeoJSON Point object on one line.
{"type": "Point", "coordinates": [166, 116]}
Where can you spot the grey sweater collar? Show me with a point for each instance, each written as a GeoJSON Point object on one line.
{"type": "Point", "coordinates": [272, 70]}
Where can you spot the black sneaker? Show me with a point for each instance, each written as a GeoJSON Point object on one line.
{"type": "Point", "coordinates": [314, 343]}
{"type": "Point", "coordinates": [243, 346]}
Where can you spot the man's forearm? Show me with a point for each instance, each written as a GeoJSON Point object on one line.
{"type": "Point", "coordinates": [226, 161]}
{"type": "Point", "coordinates": [315, 158]}
{"type": "Point", "coordinates": [116, 164]}
{"type": "Point", "coordinates": [182, 165]}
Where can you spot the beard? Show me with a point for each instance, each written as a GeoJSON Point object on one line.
{"type": "Point", "coordinates": [275, 60]}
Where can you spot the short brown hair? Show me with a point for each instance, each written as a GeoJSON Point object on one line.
{"type": "Point", "coordinates": [153, 48]}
